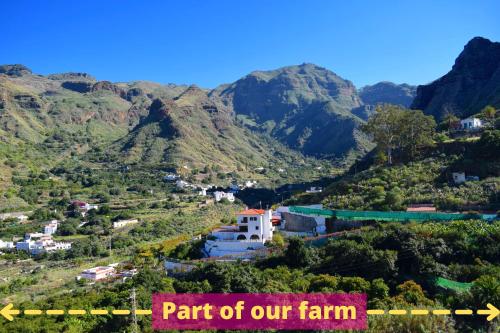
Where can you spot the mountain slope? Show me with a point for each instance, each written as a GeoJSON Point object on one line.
{"type": "Point", "coordinates": [306, 107]}
{"type": "Point", "coordinates": [197, 130]}
{"type": "Point", "coordinates": [472, 83]}
{"type": "Point", "coordinates": [388, 92]}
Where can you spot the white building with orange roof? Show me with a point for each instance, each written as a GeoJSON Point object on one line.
{"type": "Point", "coordinates": [253, 229]}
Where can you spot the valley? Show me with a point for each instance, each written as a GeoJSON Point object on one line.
{"type": "Point", "coordinates": [286, 180]}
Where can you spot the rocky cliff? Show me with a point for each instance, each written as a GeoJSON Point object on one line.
{"type": "Point", "coordinates": [472, 83]}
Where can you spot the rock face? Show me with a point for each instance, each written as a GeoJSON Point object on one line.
{"type": "Point", "coordinates": [307, 107]}
{"type": "Point", "coordinates": [108, 86]}
{"type": "Point", "coordinates": [388, 92]}
{"type": "Point", "coordinates": [72, 76]}
{"type": "Point", "coordinates": [196, 129]}
{"type": "Point", "coordinates": [14, 70]}
{"type": "Point", "coordinates": [472, 83]}
{"type": "Point", "coordinates": [78, 86]}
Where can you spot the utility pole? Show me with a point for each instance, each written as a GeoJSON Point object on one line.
{"type": "Point", "coordinates": [134, 310]}
{"type": "Point", "coordinates": [110, 246]}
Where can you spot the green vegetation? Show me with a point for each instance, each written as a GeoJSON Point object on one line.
{"type": "Point", "coordinates": [394, 264]}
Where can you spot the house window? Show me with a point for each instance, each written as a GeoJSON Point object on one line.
{"type": "Point", "coordinates": [253, 218]}
{"type": "Point", "coordinates": [256, 227]}
{"type": "Point", "coordinates": [243, 228]}
{"type": "Point", "coordinates": [244, 220]}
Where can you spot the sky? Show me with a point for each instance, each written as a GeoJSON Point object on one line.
{"type": "Point", "coordinates": [210, 42]}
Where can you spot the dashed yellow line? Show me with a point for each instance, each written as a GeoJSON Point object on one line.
{"type": "Point", "coordinates": [397, 312]}
{"type": "Point", "coordinates": [143, 312]}
{"type": "Point", "coordinates": [54, 312]}
{"type": "Point", "coordinates": [76, 312]}
{"type": "Point", "coordinates": [375, 312]}
{"type": "Point", "coordinates": [121, 312]}
{"type": "Point", "coordinates": [419, 312]}
{"type": "Point", "coordinates": [464, 312]}
{"type": "Point", "coordinates": [99, 312]}
{"type": "Point", "coordinates": [32, 312]}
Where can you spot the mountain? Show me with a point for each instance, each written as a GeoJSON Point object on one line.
{"type": "Point", "coordinates": [388, 92]}
{"type": "Point", "coordinates": [306, 107]}
{"type": "Point", "coordinates": [197, 130]}
{"type": "Point", "coordinates": [472, 83]}
{"type": "Point", "coordinates": [32, 106]}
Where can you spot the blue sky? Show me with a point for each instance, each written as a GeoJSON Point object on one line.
{"type": "Point", "coordinates": [213, 42]}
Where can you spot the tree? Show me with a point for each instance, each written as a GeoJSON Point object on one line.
{"type": "Point", "coordinates": [297, 254]}
{"type": "Point", "coordinates": [450, 121]}
{"type": "Point", "coordinates": [410, 292]}
{"type": "Point", "coordinates": [488, 114]}
{"type": "Point", "coordinates": [385, 126]}
{"type": "Point", "coordinates": [417, 131]}
{"type": "Point", "coordinates": [396, 128]}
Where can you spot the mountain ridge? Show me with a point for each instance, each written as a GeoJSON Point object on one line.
{"type": "Point", "coordinates": [472, 83]}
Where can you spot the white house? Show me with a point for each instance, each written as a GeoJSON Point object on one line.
{"type": "Point", "coordinates": [180, 184]}
{"type": "Point", "coordinates": [171, 177]}
{"type": "Point", "coordinates": [6, 245]}
{"type": "Point", "coordinates": [122, 223]}
{"type": "Point", "coordinates": [250, 183]}
{"type": "Point", "coordinates": [253, 229]}
{"type": "Point", "coordinates": [36, 243]}
{"type": "Point", "coordinates": [471, 123]}
{"type": "Point", "coordinates": [83, 207]}
{"type": "Point", "coordinates": [51, 228]}
{"type": "Point", "coordinates": [219, 195]}
{"type": "Point", "coordinates": [314, 189]}
{"type": "Point", "coordinates": [98, 273]}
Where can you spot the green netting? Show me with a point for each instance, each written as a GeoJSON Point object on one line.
{"type": "Point", "coordinates": [385, 216]}
{"type": "Point", "coordinates": [453, 285]}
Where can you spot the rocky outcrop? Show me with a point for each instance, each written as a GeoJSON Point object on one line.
{"type": "Point", "coordinates": [78, 86]}
{"type": "Point", "coordinates": [108, 86]}
{"type": "Point", "coordinates": [134, 93]}
{"type": "Point", "coordinates": [388, 92]}
{"type": "Point", "coordinates": [14, 70]}
{"type": "Point", "coordinates": [72, 76]}
{"type": "Point", "coordinates": [472, 83]}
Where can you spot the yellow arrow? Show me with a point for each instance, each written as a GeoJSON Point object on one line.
{"type": "Point", "coordinates": [493, 312]}
{"type": "Point", "coordinates": [7, 312]}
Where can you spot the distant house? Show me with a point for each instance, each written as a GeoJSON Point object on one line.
{"type": "Point", "coordinates": [83, 207]}
{"type": "Point", "coordinates": [219, 195]}
{"type": "Point", "coordinates": [171, 177]}
{"type": "Point", "coordinates": [181, 184]}
{"type": "Point", "coordinates": [250, 183]}
{"type": "Point", "coordinates": [51, 228]}
{"type": "Point", "coordinates": [122, 223]}
{"type": "Point", "coordinates": [98, 273]}
{"type": "Point", "coordinates": [471, 123]}
{"type": "Point", "coordinates": [421, 208]}
{"type": "Point", "coordinates": [6, 245]}
{"type": "Point", "coordinates": [314, 189]}
{"type": "Point", "coordinates": [36, 243]}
